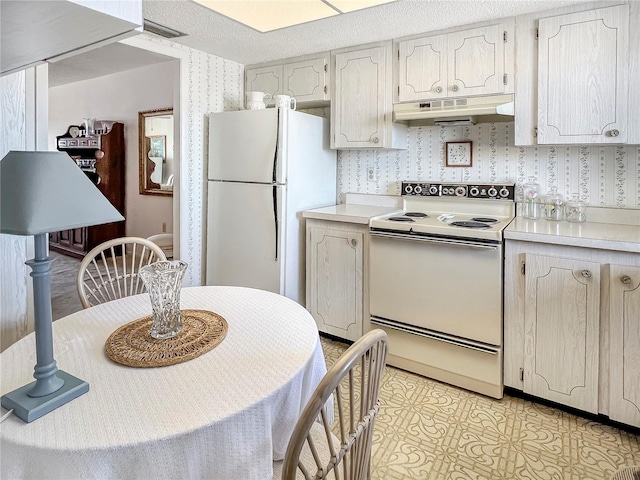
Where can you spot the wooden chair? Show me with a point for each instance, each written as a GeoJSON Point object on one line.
{"type": "Point", "coordinates": [627, 473]}
{"type": "Point", "coordinates": [110, 270]}
{"type": "Point", "coordinates": [325, 445]}
{"type": "Point", "coordinates": [165, 242]}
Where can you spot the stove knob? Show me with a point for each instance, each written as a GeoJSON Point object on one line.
{"type": "Point", "coordinates": [474, 191]}
{"type": "Point", "coordinates": [433, 190]}
{"type": "Point", "coordinates": [492, 192]}
{"type": "Point", "coordinates": [417, 190]}
{"type": "Point", "coordinates": [504, 192]}
{"type": "Point", "coordinates": [408, 189]}
{"type": "Point", "coordinates": [460, 191]}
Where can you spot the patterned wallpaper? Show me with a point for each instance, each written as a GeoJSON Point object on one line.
{"type": "Point", "coordinates": [603, 176]}
{"type": "Point", "coordinates": [208, 84]}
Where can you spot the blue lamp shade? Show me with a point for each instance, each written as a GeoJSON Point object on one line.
{"type": "Point", "coordinates": [43, 192]}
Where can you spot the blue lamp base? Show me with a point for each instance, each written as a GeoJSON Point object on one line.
{"type": "Point", "coordinates": [30, 408]}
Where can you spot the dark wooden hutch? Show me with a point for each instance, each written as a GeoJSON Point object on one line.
{"type": "Point", "coordinates": [101, 157]}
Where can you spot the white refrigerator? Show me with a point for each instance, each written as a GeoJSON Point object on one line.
{"type": "Point", "coordinates": [265, 167]}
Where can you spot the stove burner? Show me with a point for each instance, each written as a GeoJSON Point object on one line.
{"type": "Point", "coordinates": [416, 215]}
{"type": "Point", "coordinates": [470, 224]}
{"type": "Point", "coordinates": [484, 220]}
{"type": "Point", "coordinates": [401, 219]}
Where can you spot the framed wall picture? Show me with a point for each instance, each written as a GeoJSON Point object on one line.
{"type": "Point", "coordinates": [458, 154]}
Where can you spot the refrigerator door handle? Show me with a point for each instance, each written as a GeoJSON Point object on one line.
{"type": "Point", "coordinates": [275, 217]}
{"type": "Point", "coordinates": [274, 177]}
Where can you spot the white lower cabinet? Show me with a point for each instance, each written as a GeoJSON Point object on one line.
{"type": "Point", "coordinates": [335, 273]}
{"type": "Point", "coordinates": [624, 311]}
{"type": "Point", "coordinates": [572, 327]}
{"type": "Point", "coordinates": [562, 303]}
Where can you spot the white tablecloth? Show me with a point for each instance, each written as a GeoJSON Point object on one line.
{"type": "Point", "coordinates": [224, 415]}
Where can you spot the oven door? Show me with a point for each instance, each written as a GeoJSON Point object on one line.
{"type": "Point", "coordinates": [443, 285]}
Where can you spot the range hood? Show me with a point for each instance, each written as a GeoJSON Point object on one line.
{"type": "Point", "coordinates": [456, 111]}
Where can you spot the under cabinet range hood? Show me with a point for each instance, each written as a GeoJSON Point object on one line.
{"type": "Point", "coordinates": [456, 111]}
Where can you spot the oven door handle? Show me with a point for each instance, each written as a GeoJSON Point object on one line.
{"type": "Point", "coordinates": [445, 241]}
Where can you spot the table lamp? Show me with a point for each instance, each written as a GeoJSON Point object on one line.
{"type": "Point", "coordinates": [42, 192]}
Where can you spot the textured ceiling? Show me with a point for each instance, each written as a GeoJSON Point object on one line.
{"type": "Point", "coordinates": [213, 33]}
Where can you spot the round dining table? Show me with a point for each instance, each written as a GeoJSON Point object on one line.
{"type": "Point", "coordinates": [227, 414]}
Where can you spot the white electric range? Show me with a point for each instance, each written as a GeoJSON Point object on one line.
{"type": "Point", "coordinates": [436, 280]}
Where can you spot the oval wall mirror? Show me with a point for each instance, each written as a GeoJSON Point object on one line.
{"type": "Point", "coordinates": [155, 138]}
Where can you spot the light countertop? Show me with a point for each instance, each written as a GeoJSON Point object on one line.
{"type": "Point", "coordinates": [349, 213]}
{"type": "Point", "coordinates": [606, 236]}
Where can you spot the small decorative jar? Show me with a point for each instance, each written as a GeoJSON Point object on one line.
{"type": "Point", "coordinates": [163, 280]}
{"type": "Point", "coordinates": [531, 199]}
{"type": "Point", "coordinates": [553, 205]}
{"type": "Point", "coordinates": [575, 210]}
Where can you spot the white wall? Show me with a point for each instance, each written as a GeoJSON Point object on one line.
{"type": "Point", "coordinates": [120, 97]}
{"type": "Point", "coordinates": [602, 175]}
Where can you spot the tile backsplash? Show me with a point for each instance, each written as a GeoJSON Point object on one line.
{"type": "Point", "coordinates": [602, 175]}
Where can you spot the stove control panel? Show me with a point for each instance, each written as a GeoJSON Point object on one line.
{"type": "Point", "coordinates": [489, 191]}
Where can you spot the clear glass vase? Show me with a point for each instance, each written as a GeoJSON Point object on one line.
{"type": "Point", "coordinates": [163, 280]}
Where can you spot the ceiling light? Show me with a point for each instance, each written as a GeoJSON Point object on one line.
{"type": "Point", "coordinates": [268, 15]}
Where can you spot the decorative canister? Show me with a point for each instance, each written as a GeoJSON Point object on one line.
{"type": "Point", "coordinates": [553, 205]}
{"type": "Point", "coordinates": [163, 280]}
{"type": "Point", "coordinates": [531, 199]}
{"type": "Point", "coordinates": [575, 210]}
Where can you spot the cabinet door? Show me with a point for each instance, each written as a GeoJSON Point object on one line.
{"type": "Point", "coordinates": [624, 373]}
{"type": "Point", "coordinates": [359, 109]}
{"type": "Point", "coordinates": [264, 79]}
{"type": "Point", "coordinates": [562, 308]}
{"type": "Point", "coordinates": [475, 62]}
{"type": "Point", "coordinates": [582, 77]}
{"type": "Point", "coordinates": [422, 69]}
{"type": "Point", "coordinates": [334, 279]}
{"type": "Point", "coordinates": [306, 80]}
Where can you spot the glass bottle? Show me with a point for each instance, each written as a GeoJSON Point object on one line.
{"type": "Point", "coordinates": [531, 199]}
{"type": "Point", "coordinates": [575, 209]}
{"type": "Point", "coordinates": [553, 205]}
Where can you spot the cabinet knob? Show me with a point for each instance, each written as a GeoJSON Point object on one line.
{"type": "Point", "coordinates": [438, 89]}
{"type": "Point", "coordinates": [586, 273]}
{"type": "Point", "coordinates": [375, 140]}
{"type": "Point", "coordinates": [354, 242]}
{"type": "Point", "coordinates": [454, 88]}
{"type": "Point", "coordinates": [626, 279]}
{"type": "Point", "coordinates": [614, 133]}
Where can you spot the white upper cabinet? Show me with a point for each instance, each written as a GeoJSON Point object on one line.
{"type": "Point", "coordinates": [583, 77]}
{"type": "Point", "coordinates": [34, 32]}
{"type": "Point", "coordinates": [459, 64]}
{"type": "Point", "coordinates": [422, 65]}
{"type": "Point", "coordinates": [304, 78]}
{"type": "Point", "coordinates": [264, 79]}
{"type": "Point", "coordinates": [577, 72]}
{"type": "Point", "coordinates": [307, 80]}
{"type": "Point", "coordinates": [361, 106]}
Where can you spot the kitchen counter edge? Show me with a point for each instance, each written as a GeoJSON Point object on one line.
{"type": "Point", "coordinates": [349, 213]}
{"type": "Point", "coordinates": [603, 236]}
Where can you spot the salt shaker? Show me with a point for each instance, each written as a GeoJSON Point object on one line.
{"type": "Point", "coordinates": [575, 209]}
{"type": "Point", "coordinates": [553, 205]}
{"type": "Point", "coordinates": [531, 197]}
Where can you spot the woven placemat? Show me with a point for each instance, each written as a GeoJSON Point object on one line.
{"type": "Point", "coordinates": [133, 345]}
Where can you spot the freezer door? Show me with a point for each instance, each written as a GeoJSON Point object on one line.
{"type": "Point", "coordinates": [242, 145]}
{"type": "Point", "coordinates": [242, 246]}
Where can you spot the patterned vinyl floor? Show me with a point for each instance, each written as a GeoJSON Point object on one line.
{"type": "Point", "coordinates": [430, 430]}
